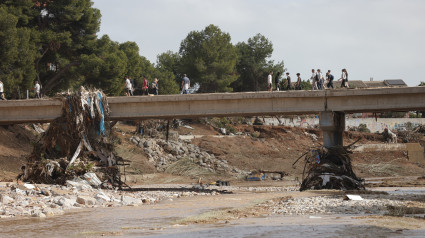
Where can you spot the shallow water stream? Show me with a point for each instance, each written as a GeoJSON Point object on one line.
{"type": "Point", "coordinates": [160, 220]}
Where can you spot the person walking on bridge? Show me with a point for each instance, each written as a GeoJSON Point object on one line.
{"type": "Point", "coordinates": [145, 87]}
{"type": "Point", "coordinates": [344, 79]}
{"type": "Point", "coordinates": [313, 79]}
{"type": "Point", "coordinates": [128, 86]}
{"type": "Point", "coordinates": [155, 86]}
{"type": "Point", "coordinates": [185, 84]}
{"type": "Point", "coordinates": [37, 89]}
{"type": "Point", "coordinates": [2, 91]}
{"type": "Point", "coordinates": [277, 81]}
{"type": "Point", "coordinates": [298, 85]}
{"type": "Point", "coordinates": [288, 80]}
{"type": "Point", "coordinates": [269, 82]}
{"type": "Point", "coordinates": [319, 79]}
{"type": "Point", "coordinates": [330, 80]}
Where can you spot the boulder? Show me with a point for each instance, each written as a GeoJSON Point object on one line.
{"type": "Point", "coordinates": [127, 200]}
{"type": "Point", "coordinates": [4, 199]}
{"type": "Point", "coordinates": [38, 213]}
{"type": "Point", "coordinates": [173, 135]}
{"type": "Point", "coordinates": [86, 200]}
{"type": "Point", "coordinates": [59, 192]}
{"type": "Point", "coordinates": [170, 149]}
{"type": "Point", "coordinates": [78, 183]}
{"type": "Point", "coordinates": [92, 179]}
{"type": "Point", "coordinates": [147, 144]}
{"type": "Point", "coordinates": [102, 197]}
{"type": "Point", "coordinates": [46, 192]}
{"type": "Point", "coordinates": [65, 202]}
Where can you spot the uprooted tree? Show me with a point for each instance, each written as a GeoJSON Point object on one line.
{"type": "Point", "coordinates": [329, 168]}
{"type": "Point", "coordinates": [76, 143]}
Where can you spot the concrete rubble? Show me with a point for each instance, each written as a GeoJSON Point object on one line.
{"type": "Point", "coordinates": [44, 200]}
{"type": "Point", "coordinates": [163, 153]}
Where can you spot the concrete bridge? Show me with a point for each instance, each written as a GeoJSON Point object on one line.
{"type": "Point", "coordinates": [330, 104]}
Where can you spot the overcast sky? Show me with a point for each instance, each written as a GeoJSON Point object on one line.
{"type": "Point", "coordinates": [383, 39]}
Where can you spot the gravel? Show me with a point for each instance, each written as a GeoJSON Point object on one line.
{"type": "Point", "coordinates": [49, 200]}
{"type": "Point", "coordinates": [336, 205]}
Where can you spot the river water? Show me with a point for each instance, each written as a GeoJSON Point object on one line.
{"type": "Point", "coordinates": [159, 220]}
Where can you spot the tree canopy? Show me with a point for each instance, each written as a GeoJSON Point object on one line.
{"type": "Point", "coordinates": [17, 53]}
{"type": "Point", "coordinates": [254, 64]}
{"type": "Point", "coordinates": [209, 58]}
{"type": "Point", "coordinates": [55, 42]}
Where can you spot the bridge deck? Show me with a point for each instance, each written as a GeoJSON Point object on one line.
{"type": "Point", "coordinates": [229, 104]}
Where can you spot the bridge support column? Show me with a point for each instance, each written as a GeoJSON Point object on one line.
{"type": "Point", "coordinates": [332, 125]}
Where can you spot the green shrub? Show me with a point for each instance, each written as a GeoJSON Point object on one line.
{"type": "Point", "coordinates": [363, 128]}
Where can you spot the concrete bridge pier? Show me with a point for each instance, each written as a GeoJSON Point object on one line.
{"type": "Point", "coordinates": [332, 125]}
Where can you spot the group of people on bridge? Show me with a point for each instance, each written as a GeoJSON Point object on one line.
{"type": "Point", "coordinates": [37, 90]}
{"type": "Point", "coordinates": [129, 86]}
{"type": "Point", "coordinates": [318, 81]}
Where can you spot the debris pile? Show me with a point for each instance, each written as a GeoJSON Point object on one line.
{"type": "Point", "coordinates": [76, 143]}
{"type": "Point", "coordinates": [410, 136]}
{"type": "Point", "coordinates": [329, 168]}
{"type": "Point", "coordinates": [163, 154]}
{"type": "Point", "coordinates": [43, 200]}
{"type": "Point", "coordinates": [389, 136]}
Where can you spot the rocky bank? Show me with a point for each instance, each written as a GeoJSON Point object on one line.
{"type": "Point", "coordinates": [49, 200]}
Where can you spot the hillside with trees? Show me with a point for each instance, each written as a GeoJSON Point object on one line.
{"type": "Point", "coordinates": [56, 43]}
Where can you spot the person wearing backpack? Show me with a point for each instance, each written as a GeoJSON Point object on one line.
{"type": "Point", "coordinates": [155, 86]}
{"type": "Point", "coordinates": [330, 79]}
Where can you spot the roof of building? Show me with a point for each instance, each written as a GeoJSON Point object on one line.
{"type": "Point", "coordinates": [395, 83]}
{"type": "Point", "coordinates": [352, 84]}
{"type": "Point", "coordinates": [375, 84]}
{"type": "Point", "coordinates": [356, 84]}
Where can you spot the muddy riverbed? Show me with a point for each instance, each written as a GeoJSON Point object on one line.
{"type": "Point", "coordinates": [243, 213]}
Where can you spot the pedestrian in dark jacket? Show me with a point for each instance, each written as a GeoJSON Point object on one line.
{"type": "Point", "coordinates": [277, 81]}
{"type": "Point", "coordinates": [288, 80]}
{"type": "Point", "coordinates": [298, 85]}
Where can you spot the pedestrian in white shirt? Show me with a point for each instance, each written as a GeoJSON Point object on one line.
{"type": "Point", "coordinates": [37, 89]}
{"type": "Point", "coordinates": [128, 86]}
{"type": "Point", "coordinates": [2, 91]}
{"type": "Point", "coordinates": [313, 79]}
{"type": "Point", "coordinates": [269, 82]}
{"type": "Point", "coordinates": [344, 78]}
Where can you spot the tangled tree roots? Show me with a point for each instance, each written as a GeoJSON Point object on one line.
{"type": "Point", "coordinates": [76, 143]}
{"type": "Point", "coordinates": [330, 168]}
